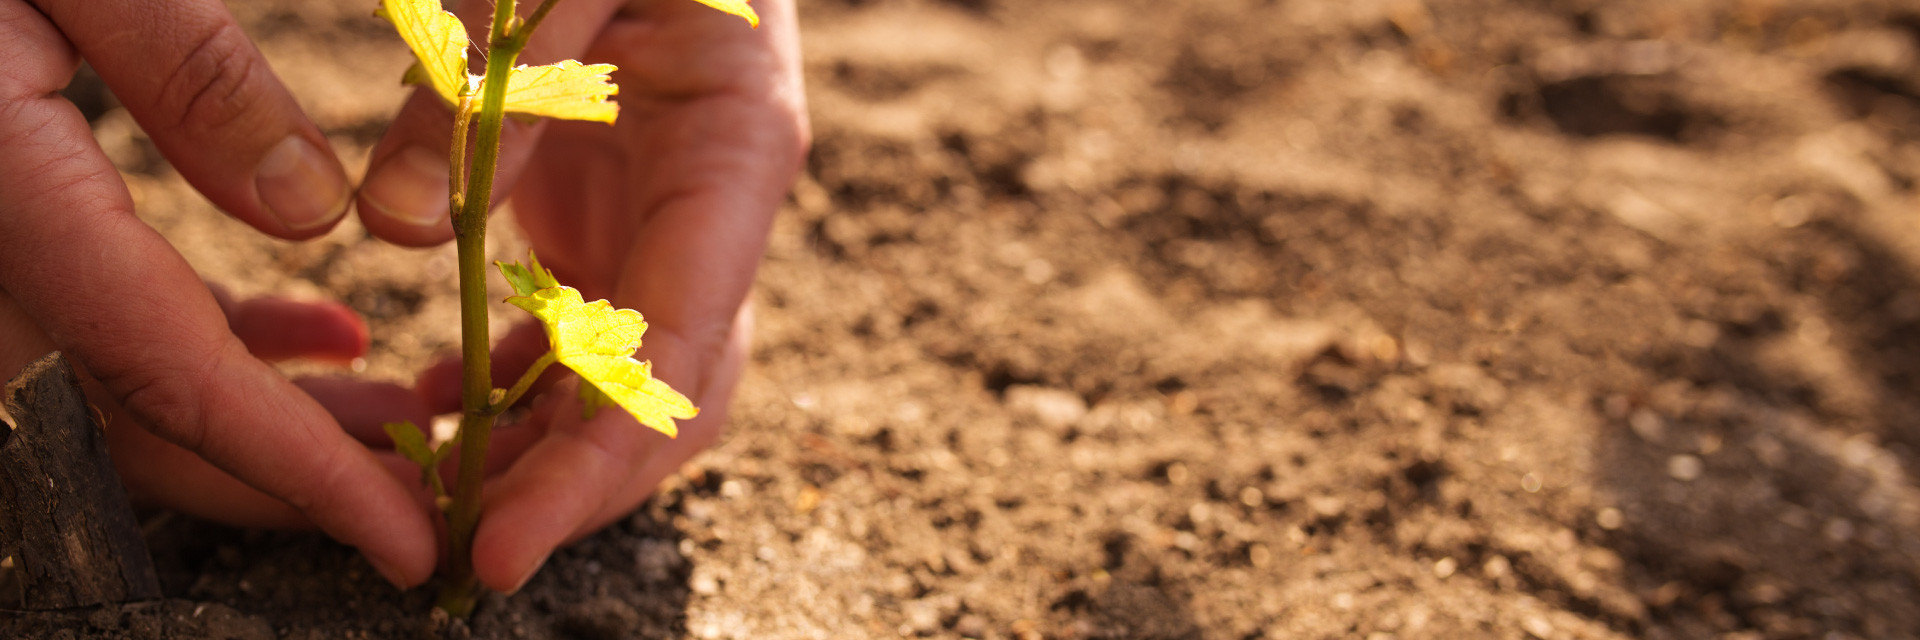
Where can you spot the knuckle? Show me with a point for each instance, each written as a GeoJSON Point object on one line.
{"type": "Point", "coordinates": [166, 396]}
{"type": "Point", "coordinates": [210, 86]}
{"type": "Point", "coordinates": [316, 496]}
{"type": "Point", "coordinates": [167, 403]}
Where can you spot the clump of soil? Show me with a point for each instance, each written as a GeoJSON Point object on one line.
{"type": "Point", "coordinates": [1232, 319]}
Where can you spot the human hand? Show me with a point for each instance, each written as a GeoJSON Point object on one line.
{"type": "Point", "coordinates": [79, 272]}
{"type": "Point", "coordinates": [160, 472]}
{"type": "Point", "coordinates": [667, 212]}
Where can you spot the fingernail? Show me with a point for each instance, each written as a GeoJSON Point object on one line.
{"type": "Point", "coordinates": [301, 185]}
{"type": "Point", "coordinates": [528, 576]}
{"type": "Point", "coordinates": [398, 579]}
{"type": "Point", "coordinates": [411, 187]}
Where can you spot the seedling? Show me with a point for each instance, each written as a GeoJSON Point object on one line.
{"type": "Point", "coordinates": [594, 339]}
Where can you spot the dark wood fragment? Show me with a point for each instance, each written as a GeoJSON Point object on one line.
{"type": "Point", "coordinates": [63, 515]}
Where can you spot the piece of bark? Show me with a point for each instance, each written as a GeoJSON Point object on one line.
{"type": "Point", "coordinates": [64, 517]}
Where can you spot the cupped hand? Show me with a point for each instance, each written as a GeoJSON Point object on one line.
{"type": "Point", "coordinates": [666, 212]}
{"type": "Point", "coordinates": [86, 276]}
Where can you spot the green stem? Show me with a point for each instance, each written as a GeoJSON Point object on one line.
{"type": "Point", "coordinates": [470, 237]}
{"type": "Point", "coordinates": [526, 382]}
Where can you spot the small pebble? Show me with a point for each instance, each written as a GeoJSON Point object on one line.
{"type": "Point", "coordinates": [1497, 567]}
{"type": "Point", "coordinates": [1252, 497]}
{"type": "Point", "coordinates": [1259, 556]}
{"type": "Point", "coordinates": [1685, 467]}
{"type": "Point", "coordinates": [1838, 530]}
{"type": "Point", "coordinates": [704, 584]}
{"type": "Point", "coordinates": [1177, 474]}
{"type": "Point", "coordinates": [1648, 425]}
{"type": "Point", "coordinates": [1539, 627]}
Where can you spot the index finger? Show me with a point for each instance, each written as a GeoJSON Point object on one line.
{"type": "Point", "coordinates": [111, 291]}
{"type": "Point", "coordinates": [205, 95]}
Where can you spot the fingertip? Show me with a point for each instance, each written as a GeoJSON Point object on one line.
{"type": "Point", "coordinates": [362, 408]}
{"type": "Point", "coordinates": [439, 384]}
{"type": "Point", "coordinates": [408, 551]}
{"type": "Point", "coordinates": [527, 574]}
{"type": "Point", "coordinates": [405, 199]}
{"type": "Point", "coordinates": [505, 558]}
{"type": "Point", "coordinates": [279, 329]}
{"type": "Point", "coordinates": [302, 186]}
{"type": "Point", "coordinates": [395, 576]}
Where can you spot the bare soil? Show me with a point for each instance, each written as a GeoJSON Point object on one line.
{"type": "Point", "coordinates": [1227, 319]}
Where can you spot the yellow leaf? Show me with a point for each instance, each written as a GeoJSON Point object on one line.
{"type": "Point", "coordinates": [597, 341]}
{"type": "Point", "coordinates": [735, 7]}
{"type": "Point", "coordinates": [437, 39]}
{"type": "Point", "coordinates": [567, 90]}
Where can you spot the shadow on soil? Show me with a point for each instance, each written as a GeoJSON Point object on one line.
{"type": "Point", "coordinates": [1773, 499]}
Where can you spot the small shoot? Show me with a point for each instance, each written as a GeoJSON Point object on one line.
{"type": "Point", "coordinates": [594, 339]}
{"type": "Point", "coordinates": [411, 443]}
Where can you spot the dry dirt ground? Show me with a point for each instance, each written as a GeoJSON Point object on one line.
{"type": "Point", "coordinates": [1229, 319]}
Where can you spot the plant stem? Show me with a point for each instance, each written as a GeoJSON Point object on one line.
{"type": "Point", "coordinates": [526, 382]}
{"type": "Point", "coordinates": [470, 237]}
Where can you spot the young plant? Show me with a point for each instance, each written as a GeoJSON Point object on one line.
{"type": "Point", "coordinates": [594, 339]}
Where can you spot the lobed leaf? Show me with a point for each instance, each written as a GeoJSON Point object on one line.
{"type": "Point", "coordinates": [566, 90]}
{"type": "Point", "coordinates": [597, 341]}
{"type": "Point", "coordinates": [439, 42]}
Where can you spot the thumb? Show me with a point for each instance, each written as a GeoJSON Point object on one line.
{"type": "Point", "coordinates": [404, 199]}
{"type": "Point", "coordinates": [202, 91]}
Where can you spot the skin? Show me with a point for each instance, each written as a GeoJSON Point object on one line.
{"type": "Point", "coordinates": [666, 212]}
{"type": "Point", "coordinates": [215, 430]}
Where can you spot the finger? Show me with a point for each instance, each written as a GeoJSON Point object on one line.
{"type": "Point", "coordinates": [202, 91]}
{"type": "Point", "coordinates": [162, 473]}
{"type": "Point", "coordinates": [114, 294]}
{"type": "Point", "coordinates": [717, 147]}
{"type": "Point", "coordinates": [404, 199]}
{"type": "Point", "coordinates": [276, 329]}
{"type": "Point", "coordinates": [157, 472]}
{"type": "Point", "coordinates": [583, 474]}
{"type": "Point", "coordinates": [556, 485]}
{"type": "Point", "coordinates": [524, 344]}
{"type": "Point", "coordinates": [154, 471]}
{"type": "Point", "coordinates": [364, 408]}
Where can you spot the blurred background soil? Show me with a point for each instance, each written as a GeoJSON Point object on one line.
{"type": "Point", "coordinates": [1225, 319]}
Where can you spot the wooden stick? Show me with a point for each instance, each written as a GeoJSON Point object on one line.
{"type": "Point", "coordinates": [64, 517]}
